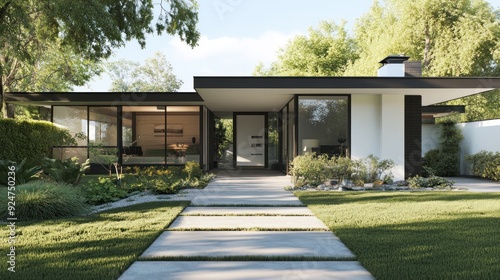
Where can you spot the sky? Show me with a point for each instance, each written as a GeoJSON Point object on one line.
{"type": "Point", "coordinates": [238, 34]}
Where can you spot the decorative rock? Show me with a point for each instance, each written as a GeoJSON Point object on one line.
{"type": "Point", "coordinates": [322, 187]}
{"type": "Point", "coordinates": [358, 189]}
{"type": "Point", "coordinates": [401, 183]}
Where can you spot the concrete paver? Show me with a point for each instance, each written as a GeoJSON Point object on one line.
{"type": "Point", "coordinates": [188, 236]}
{"type": "Point", "coordinates": [248, 243]}
{"type": "Point", "coordinates": [247, 222]}
{"type": "Point", "coordinates": [241, 211]}
{"type": "Point", "coordinates": [315, 270]}
{"type": "Point", "coordinates": [247, 191]}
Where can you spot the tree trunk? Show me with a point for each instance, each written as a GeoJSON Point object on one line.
{"type": "Point", "coordinates": [427, 49]}
{"type": "Point", "coordinates": [11, 108]}
{"type": "Point", "coordinates": [3, 107]}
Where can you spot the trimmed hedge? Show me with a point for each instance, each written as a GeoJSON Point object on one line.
{"type": "Point", "coordinates": [31, 140]}
{"type": "Point", "coordinates": [485, 164]}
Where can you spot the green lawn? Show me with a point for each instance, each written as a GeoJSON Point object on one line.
{"type": "Point", "coordinates": [99, 246]}
{"type": "Point", "coordinates": [438, 235]}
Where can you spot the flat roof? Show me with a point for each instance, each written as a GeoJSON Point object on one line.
{"type": "Point", "coordinates": [250, 93]}
{"type": "Point", "coordinates": [105, 98]}
{"type": "Point", "coordinates": [273, 93]}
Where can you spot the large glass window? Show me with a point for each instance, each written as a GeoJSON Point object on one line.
{"type": "Point", "coordinates": [183, 134]}
{"type": "Point", "coordinates": [74, 119]}
{"type": "Point", "coordinates": [143, 138]}
{"type": "Point", "coordinates": [291, 131]}
{"type": "Point", "coordinates": [103, 131]}
{"type": "Point", "coordinates": [273, 140]}
{"type": "Point", "coordinates": [161, 134]}
{"type": "Point", "coordinates": [323, 124]}
{"type": "Point", "coordinates": [284, 139]}
{"type": "Point", "coordinates": [103, 128]}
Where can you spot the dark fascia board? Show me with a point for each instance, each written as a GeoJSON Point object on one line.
{"type": "Point", "coordinates": [442, 109]}
{"type": "Point", "coordinates": [343, 82]}
{"type": "Point", "coordinates": [110, 98]}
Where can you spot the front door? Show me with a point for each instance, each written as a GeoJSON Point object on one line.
{"type": "Point", "coordinates": [250, 139]}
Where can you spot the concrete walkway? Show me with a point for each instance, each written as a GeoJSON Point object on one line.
{"type": "Point", "coordinates": [247, 215]}
{"type": "Point", "coordinates": [476, 184]}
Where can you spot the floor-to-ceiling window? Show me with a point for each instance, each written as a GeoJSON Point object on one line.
{"type": "Point", "coordinates": [139, 135]}
{"type": "Point", "coordinates": [273, 140]}
{"type": "Point", "coordinates": [74, 119]}
{"type": "Point", "coordinates": [103, 135]}
{"type": "Point", "coordinates": [284, 139]}
{"type": "Point", "coordinates": [183, 134]}
{"type": "Point", "coordinates": [161, 134]}
{"type": "Point", "coordinates": [323, 124]}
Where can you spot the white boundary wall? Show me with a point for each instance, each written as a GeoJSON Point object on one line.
{"type": "Point", "coordinates": [478, 136]}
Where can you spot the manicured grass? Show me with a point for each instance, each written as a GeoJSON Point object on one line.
{"type": "Point", "coordinates": [426, 235]}
{"type": "Point", "coordinates": [100, 246]}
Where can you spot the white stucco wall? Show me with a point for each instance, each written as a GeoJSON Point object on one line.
{"type": "Point", "coordinates": [430, 137]}
{"type": "Point", "coordinates": [392, 139]}
{"type": "Point", "coordinates": [378, 128]}
{"type": "Point", "coordinates": [478, 136]}
{"type": "Point", "coordinates": [365, 125]}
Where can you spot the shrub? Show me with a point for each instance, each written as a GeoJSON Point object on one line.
{"type": "Point", "coordinates": [166, 184]}
{"type": "Point", "coordinates": [31, 140]}
{"type": "Point", "coordinates": [485, 164]}
{"type": "Point", "coordinates": [68, 171]}
{"type": "Point", "coordinates": [131, 183]}
{"type": "Point", "coordinates": [40, 200]}
{"type": "Point", "coordinates": [165, 181]}
{"type": "Point", "coordinates": [314, 170]}
{"type": "Point", "coordinates": [192, 169]}
{"type": "Point", "coordinates": [102, 191]}
{"type": "Point", "coordinates": [379, 169]}
{"type": "Point", "coordinates": [431, 182]}
{"type": "Point", "coordinates": [445, 161]}
{"type": "Point", "coordinates": [23, 173]}
{"type": "Point", "coordinates": [309, 169]}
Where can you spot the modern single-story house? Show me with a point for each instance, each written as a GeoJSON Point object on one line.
{"type": "Point", "coordinates": [274, 118]}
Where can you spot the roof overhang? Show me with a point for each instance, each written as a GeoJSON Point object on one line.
{"type": "Point", "coordinates": [430, 113]}
{"type": "Point", "coordinates": [105, 98]}
{"type": "Point", "coordinates": [273, 93]}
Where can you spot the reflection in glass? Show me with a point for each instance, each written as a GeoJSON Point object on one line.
{"type": "Point", "coordinates": [160, 134]}
{"type": "Point", "coordinates": [74, 119]}
{"type": "Point", "coordinates": [103, 126]}
{"type": "Point", "coordinates": [323, 124]}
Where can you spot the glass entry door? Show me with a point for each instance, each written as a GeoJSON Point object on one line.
{"type": "Point", "coordinates": [251, 139]}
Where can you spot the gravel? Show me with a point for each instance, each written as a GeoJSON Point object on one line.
{"type": "Point", "coordinates": [144, 197]}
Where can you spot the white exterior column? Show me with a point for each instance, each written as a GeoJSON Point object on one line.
{"type": "Point", "coordinates": [365, 126]}
{"type": "Point", "coordinates": [392, 137]}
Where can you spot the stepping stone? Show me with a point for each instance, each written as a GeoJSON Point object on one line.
{"type": "Point", "coordinates": [242, 211]}
{"type": "Point", "coordinates": [248, 243]}
{"type": "Point", "coordinates": [246, 197]}
{"type": "Point", "coordinates": [317, 270]}
{"type": "Point", "coordinates": [247, 222]}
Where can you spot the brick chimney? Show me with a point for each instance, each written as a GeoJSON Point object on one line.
{"type": "Point", "coordinates": [399, 66]}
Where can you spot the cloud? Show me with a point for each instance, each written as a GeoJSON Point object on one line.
{"type": "Point", "coordinates": [232, 49]}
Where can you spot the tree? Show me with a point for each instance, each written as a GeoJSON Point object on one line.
{"type": "Point", "coordinates": [449, 37]}
{"type": "Point", "coordinates": [88, 29]}
{"type": "Point", "coordinates": [325, 51]}
{"type": "Point", "coordinates": [154, 75]}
